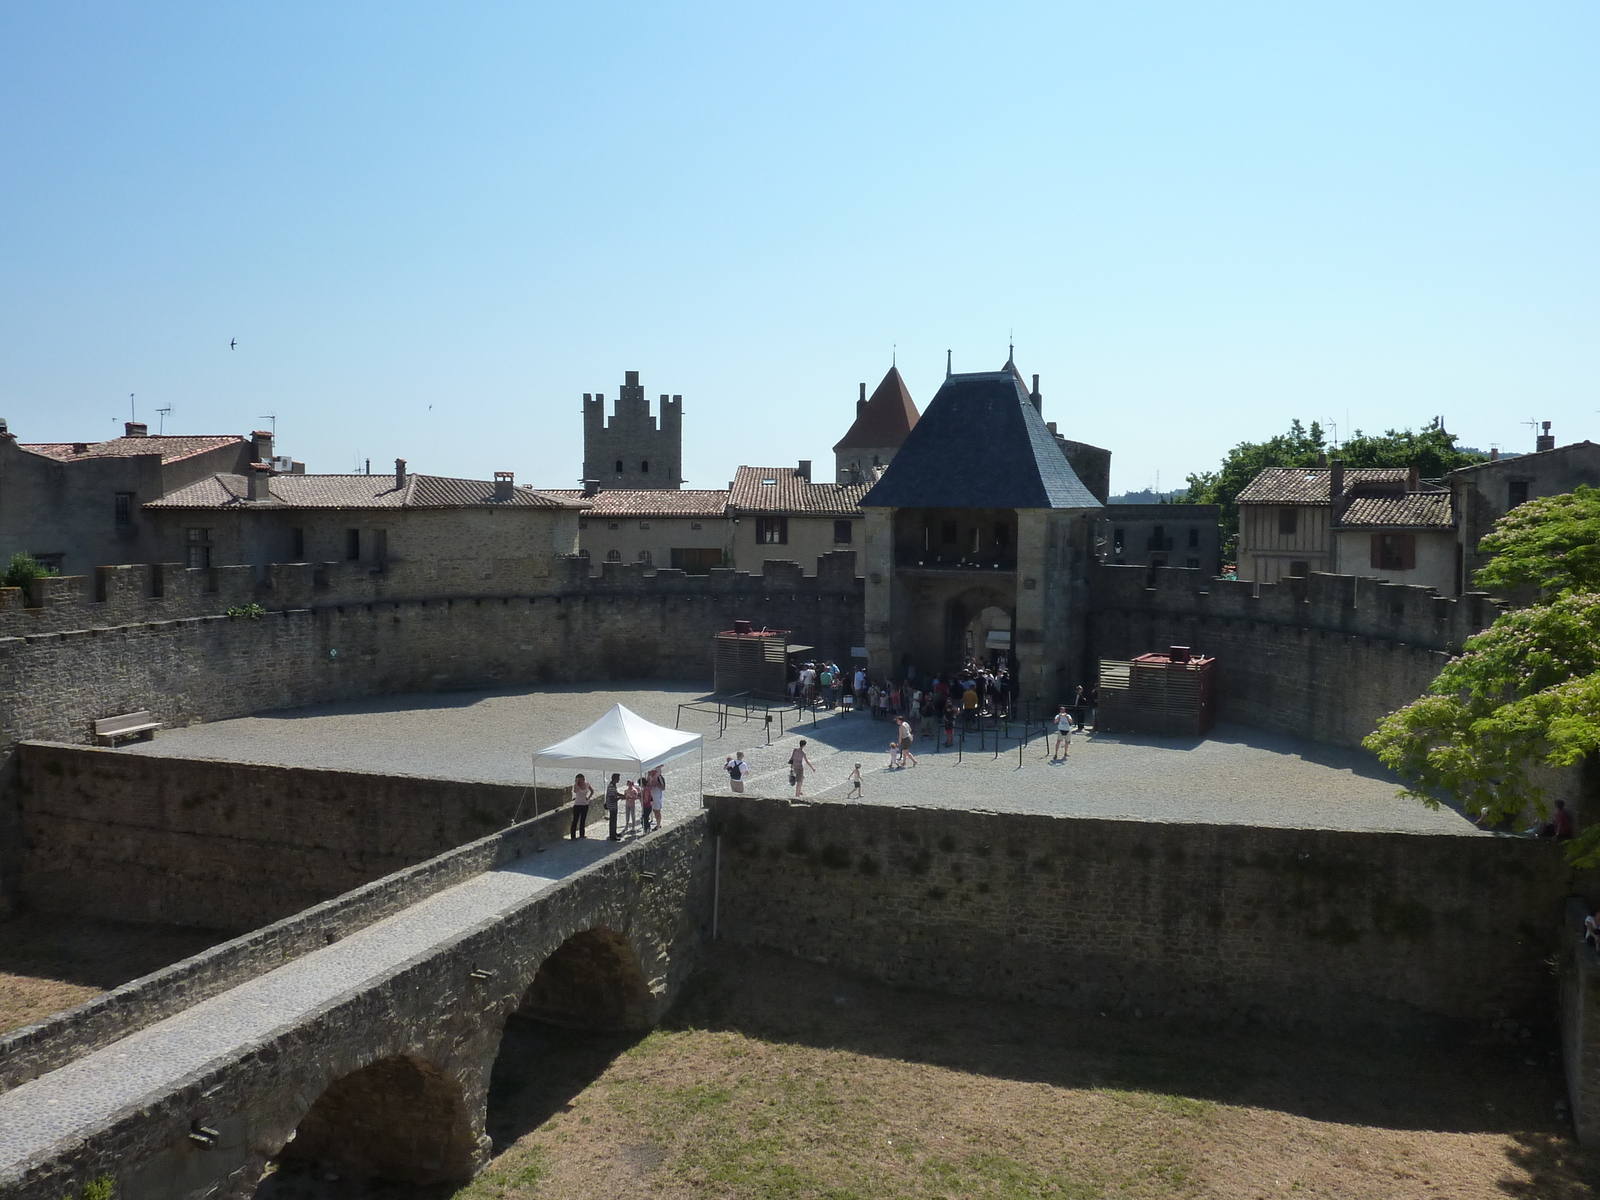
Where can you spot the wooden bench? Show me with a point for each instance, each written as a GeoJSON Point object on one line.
{"type": "Point", "coordinates": [108, 731]}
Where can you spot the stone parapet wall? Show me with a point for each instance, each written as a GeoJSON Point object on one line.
{"type": "Point", "coordinates": [29, 1052]}
{"type": "Point", "coordinates": [229, 846]}
{"type": "Point", "coordinates": [1289, 926]}
{"type": "Point", "coordinates": [1323, 658]}
{"type": "Point", "coordinates": [128, 595]}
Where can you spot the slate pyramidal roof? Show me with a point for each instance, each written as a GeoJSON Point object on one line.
{"type": "Point", "coordinates": [980, 444]}
{"type": "Point", "coordinates": [885, 421]}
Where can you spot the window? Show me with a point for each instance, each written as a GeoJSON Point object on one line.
{"type": "Point", "coordinates": [976, 545]}
{"type": "Point", "coordinates": [695, 560]}
{"type": "Point", "coordinates": [1116, 541]}
{"type": "Point", "coordinates": [1191, 563]}
{"type": "Point", "coordinates": [1288, 520]}
{"type": "Point", "coordinates": [352, 544]}
{"type": "Point", "coordinates": [1299, 569]}
{"type": "Point", "coordinates": [124, 510]}
{"type": "Point", "coordinates": [772, 531]}
{"type": "Point", "coordinates": [644, 557]}
{"type": "Point", "coordinates": [644, 467]}
{"type": "Point", "coordinates": [619, 466]}
{"type": "Point", "coordinates": [198, 543]}
{"type": "Point", "coordinates": [1394, 551]}
{"type": "Point", "coordinates": [583, 524]}
{"type": "Point", "coordinates": [644, 524]}
{"type": "Point", "coordinates": [841, 533]}
{"type": "Point", "coordinates": [1002, 535]}
{"type": "Point", "coordinates": [380, 545]}
{"type": "Point", "coordinates": [694, 524]}
{"type": "Point", "coordinates": [613, 555]}
{"type": "Point", "coordinates": [1194, 540]}
{"type": "Point", "coordinates": [1517, 493]}
{"type": "Point", "coordinates": [613, 524]}
{"type": "Point", "coordinates": [297, 545]}
{"type": "Point", "coordinates": [947, 532]}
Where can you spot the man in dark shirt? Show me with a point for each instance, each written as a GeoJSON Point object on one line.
{"type": "Point", "coordinates": [613, 801]}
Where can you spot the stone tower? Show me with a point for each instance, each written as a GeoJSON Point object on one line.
{"type": "Point", "coordinates": [629, 451]}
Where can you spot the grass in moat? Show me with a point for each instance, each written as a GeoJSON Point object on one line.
{"type": "Point", "coordinates": [777, 1079]}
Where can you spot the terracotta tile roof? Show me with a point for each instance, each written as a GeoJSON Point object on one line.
{"type": "Point", "coordinates": [1309, 485]}
{"type": "Point", "coordinates": [1414, 510]}
{"type": "Point", "coordinates": [171, 449]}
{"type": "Point", "coordinates": [650, 502]}
{"type": "Point", "coordinates": [785, 490]}
{"type": "Point", "coordinates": [888, 416]}
{"type": "Point", "coordinates": [357, 491]}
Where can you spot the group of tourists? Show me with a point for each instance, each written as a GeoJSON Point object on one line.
{"type": "Point", "coordinates": [959, 698]}
{"type": "Point", "coordinates": [639, 799]}
{"type": "Point", "coordinates": [819, 683]}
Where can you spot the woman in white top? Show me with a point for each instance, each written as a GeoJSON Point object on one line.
{"type": "Point", "coordinates": [582, 793]}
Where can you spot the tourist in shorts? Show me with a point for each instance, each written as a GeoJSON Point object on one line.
{"type": "Point", "coordinates": [905, 742]}
{"type": "Point", "coordinates": [582, 793]}
{"type": "Point", "coordinates": [1063, 735]}
{"type": "Point", "coordinates": [855, 784]}
{"type": "Point", "coordinates": [798, 762]}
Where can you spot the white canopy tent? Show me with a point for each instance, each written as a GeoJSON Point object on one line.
{"type": "Point", "coordinates": [621, 741]}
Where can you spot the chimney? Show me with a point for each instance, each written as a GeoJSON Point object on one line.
{"type": "Point", "coordinates": [1546, 441]}
{"type": "Point", "coordinates": [1414, 478]}
{"type": "Point", "coordinates": [263, 444]}
{"type": "Point", "coordinates": [861, 404]}
{"type": "Point", "coordinates": [805, 469]}
{"type": "Point", "coordinates": [399, 472]}
{"type": "Point", "coordinates": [1037, 397]}
{"type": "Point", "coordinates": [1494, 453]}
{"type": "Point", "coordinates": [592, 487]}
{"type": "Point", "coordinates": [1336, 484]}
{"type": "Point", "coordinates": [260, 481]}
{"type": "Point", "coordinates": [135, 429]}
{"type": "Point", "coordinates": [505, 483]}
{"type": "Point", "coordinates": [5, 430]}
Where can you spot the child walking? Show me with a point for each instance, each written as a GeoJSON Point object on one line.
{"type": "Point", "coordinates": [855, 783]}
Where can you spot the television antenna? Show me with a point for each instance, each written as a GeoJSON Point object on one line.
{"type": "Point", "coordinates": [133, 413]}
{"type": "Point", "coordinates": [273, 417]}
{"type": "Point", "coordinates": [163, 413]}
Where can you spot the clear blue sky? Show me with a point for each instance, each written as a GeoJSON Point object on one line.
{"type": "Point", "coordinates": [1200, 220]}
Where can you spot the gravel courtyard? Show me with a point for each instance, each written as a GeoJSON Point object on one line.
{"type": "Point", "coordinates": [1234, 776]}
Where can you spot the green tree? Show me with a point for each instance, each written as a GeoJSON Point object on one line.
{"type": "Point", "coordinates": [22, 568]}
{"type": "Point", "coordinates": [1433, 450]}
{"type": "Point", "coordinates": [1525, 691]}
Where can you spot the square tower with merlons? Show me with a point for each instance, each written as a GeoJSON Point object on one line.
{"type": "Point", "coordinates": [630, 451]}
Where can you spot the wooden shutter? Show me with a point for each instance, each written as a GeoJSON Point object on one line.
{"type": "Point", "coordinates": [1408, 550]}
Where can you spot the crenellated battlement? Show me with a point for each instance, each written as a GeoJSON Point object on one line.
{"type": "Point", "coordinates": [1342, 604]}
{"type": "Point", "coordinates": [127, 595]}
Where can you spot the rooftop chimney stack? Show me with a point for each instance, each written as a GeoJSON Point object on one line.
{"type": "Point", "coordinates": [399, 472]}
{"type": "Point", "coordinates": [1336, 483]}
{"type": "Point", "coordinates": [591, 487]}
{"type": "Point", "coordinates": [505, 483]}
{"type": "Point", "coordinates": [805, 469]}
{"type": "Point", "coordinates": [260, 481]}
{"type": "Point", "coordinates": [5, 430]}
{"type": "Point", "coordinates": [1494, 453]}
{"type": "Point", "coordinates": [262, 439]}
{"type": "Point", "coordinates": [135, 429]}
{"type": "Point", "coordinates": [1546, 440]}
{"type": "Point", "coordinates": [1414, 478]}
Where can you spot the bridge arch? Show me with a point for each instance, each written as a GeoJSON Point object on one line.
{"type": "Point", "coordinates": [401, 1118]}
{"type": "Point", "coordinates": [592, 981]}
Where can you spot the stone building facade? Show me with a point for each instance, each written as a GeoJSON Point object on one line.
{"type": "Point", "coordinates": [778, 513]}
{"type": "Point", "coordinates": [455, 532]}
{"type": "Point", "coordinates": [631, 450]}
{"type": "Point", "coordinates": [75, 506]}
{"type": "Point", "coordinates": [980, 524]}
{"type": "Point", "coordinates": [1160, 535]}
{"type": "Point", "coordinates": [685, 530]}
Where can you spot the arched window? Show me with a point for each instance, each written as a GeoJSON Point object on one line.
{"type": "Point", "coordinates": [644, 557]}
{"type": "Point", "coordinates": [613, 555]}
{"type": "Point", "coordinates": [644, 467]}
{"type": "Point", "coordinates": [619, 466]}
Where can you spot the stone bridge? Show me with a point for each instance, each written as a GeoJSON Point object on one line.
{"type": "Point", "coordinates": [360, 1033]}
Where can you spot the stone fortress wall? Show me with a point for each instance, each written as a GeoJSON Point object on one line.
{"type": "Point", "coordinates": [1203, 922]}
{"type": "Point", "coordinates": [1324, 657]}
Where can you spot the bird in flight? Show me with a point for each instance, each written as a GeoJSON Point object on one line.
{"type": "Point", "coordinates": [233, 343]}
